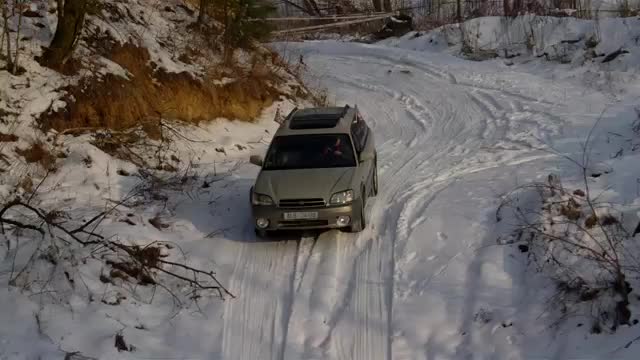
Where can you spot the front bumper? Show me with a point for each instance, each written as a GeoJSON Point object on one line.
{"type": "Point", "coordinates": [327, 217]}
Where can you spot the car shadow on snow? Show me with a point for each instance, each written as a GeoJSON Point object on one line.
{"type": "Point", "coordinates": [222, 210]}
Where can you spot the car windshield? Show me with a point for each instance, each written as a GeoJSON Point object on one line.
{"type": "Point", "coordinates": [309, 152]}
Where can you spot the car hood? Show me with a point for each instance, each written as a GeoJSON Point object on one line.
{"type": "Point", "coordinates": [304, 183]}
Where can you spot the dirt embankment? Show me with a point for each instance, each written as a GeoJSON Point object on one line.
{"type": "Point", "coordinates": [114, 102]}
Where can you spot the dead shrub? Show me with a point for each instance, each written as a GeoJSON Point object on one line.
{"type": "Point", "coordinates": [606, 220]}
{"type": "Point", "coordinates": [131, 270]}
{"type": "Point", "coordinates": [260, 71]}
{"type": "Point", "coordinates": [26, 184]}
{"type": "Point", "coordinates": [117, 103]}
{"type": "Point", "coordinates": [190, 54]}
{"type": "Point", "coordinates": [8, 137]}
{"type": "Point", "coordinates": [37, 153]}
{"type": "Point", "coordinates": [591, 221]}
{"type": "Point", "coordinates": [185, 58]}
{"type": "Point", "coordinates": [571, 210]}
{"type": "Point", "coordinates": [590, 264]}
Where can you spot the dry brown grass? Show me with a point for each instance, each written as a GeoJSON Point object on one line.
{"type": "Point", "coordinates": [193, 3]}
{"type": "Point", "coordinates": [116, 103]}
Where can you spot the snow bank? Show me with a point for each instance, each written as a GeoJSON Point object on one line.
{"type": "Point", "coordinates": [566, 40]}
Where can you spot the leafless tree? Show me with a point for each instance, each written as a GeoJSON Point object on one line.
{"type": "Point", "coordinates": [377, 5]}
{"type": "Point", "coordinates": [71, 15]}
{"type": "Point", "coordinates": [5, 34]}
{"type": "Point", "coordinates": [15, 67]}
{"type": "Point", "coordinates": [204, 5]}
{"type": "Point", "coordinates": [312, 7]}
{"type": "Point", "coordinates": [387, 6]}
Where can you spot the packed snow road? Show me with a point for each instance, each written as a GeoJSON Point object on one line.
{"type": "Point", "coordinates": [425, 280]}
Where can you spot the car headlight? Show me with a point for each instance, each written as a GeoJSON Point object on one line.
{"type": "Point", "coordinates": [342, 198]}
{"type": "Point", "coordinates": [260, 199]}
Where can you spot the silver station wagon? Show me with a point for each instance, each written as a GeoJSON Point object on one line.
{"type": "Point", "coordinates": [319, 171]}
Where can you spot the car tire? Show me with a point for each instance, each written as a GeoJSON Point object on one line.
{"type": "Point", "coordinates": [261, 234]}
{"type": "Point", "coordinates": [359, 224]}
{"type": "Point", "coordinates": [375, 178]}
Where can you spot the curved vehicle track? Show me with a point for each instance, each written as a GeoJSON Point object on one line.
{"type": "Point", "coordinates": [451, 137]}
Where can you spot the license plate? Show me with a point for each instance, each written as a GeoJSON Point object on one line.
{"type": "Point", "coordinates": [304, 215]}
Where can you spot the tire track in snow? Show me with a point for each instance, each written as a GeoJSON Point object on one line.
{"type": "Point", "coordinates": [373, 91]}
{"type": "Point", "coordinates": [417, 205]}
{"type": "Point", "coordinates": [344, 286]}
{"type": "Point", "coordinates": [371, 260]}
{"type": "Point", "coordinates": [288, 302]}
{"type": "Point", "coordinates": [418, 112]}
{"type": "Point", "coordinates": [257, 315]}
{"type": "Point", "coordinates": [314, 241]}
{"type": "Point", "coordinates": [503, 92]}
{"type": "Point", "coordinates": [408, 63]}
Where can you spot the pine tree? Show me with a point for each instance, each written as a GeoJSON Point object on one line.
{"type": "Point", "coordinates": [244, 22]}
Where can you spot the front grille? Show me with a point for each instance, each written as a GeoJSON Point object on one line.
{"type": "Point", "coordinates": [301, 203]}
{"type": "Point", "coordinates": [303, 223]}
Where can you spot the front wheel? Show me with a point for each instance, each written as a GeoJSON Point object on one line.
{"type": "Point", "coordinates": [261, 234]}
{"type": "Point", "coordinates": [360, 223]}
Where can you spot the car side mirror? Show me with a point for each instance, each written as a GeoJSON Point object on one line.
{"type": "Point", "coordinates": [366, 156]}
{"type": "Point", "coordinates": [256, 160]}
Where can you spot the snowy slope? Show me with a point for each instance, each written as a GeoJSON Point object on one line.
{"type": "Point", "coordinates": [565, 40]}
{"type": "Point", "coordinates": [425, 280]}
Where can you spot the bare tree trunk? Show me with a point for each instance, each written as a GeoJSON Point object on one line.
{"type": "Point", "coordinates": [60, 8]}
{"type": "Point", "coordinates": [459, 10]}
{"type": "Point", "coordinates": [303, 9]}
{"type": "Point", "coordinates": [315, 7]}
{"type": "Point", "coordinates": [5, 35]}
{"type": "Point", "coordinates": [517, 7]}
{"type": "Point", "coordinates": [202, 11]}
{"type": "Point", "coordinates": [2, 31]}
{"type": "Point", "coordinates": [387, 5]}
{"type": "Point", "coordinates": [377, 6]}
{"type": "Point", "coordinates": [227, 47]}
{"type": "Point", "coordinates": [67, 32]}
{"type": "Point", "coordinates": [15, 62]}
{"type": "Point", "coordinates": [505, 4]}
{"type": "Point", "coordinates": [312, 7]}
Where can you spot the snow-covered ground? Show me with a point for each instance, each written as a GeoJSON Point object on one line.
{"type": "Point", "coordinates": [427, 278]}
{"type": "Point", "coordinates": [563, 40]}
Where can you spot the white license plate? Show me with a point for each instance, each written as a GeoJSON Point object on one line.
{"type": "Point", "coordinates": [301, 215]}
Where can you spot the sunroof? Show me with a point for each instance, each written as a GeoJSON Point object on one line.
{"type": "Point", "coordinates": [316, 119]}
{"type": "Point", "coordinates": [313, 122]}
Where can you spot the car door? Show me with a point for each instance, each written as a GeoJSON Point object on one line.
{"type": "Point", "coordinates": [363, 142]}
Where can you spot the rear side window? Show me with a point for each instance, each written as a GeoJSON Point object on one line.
{"type": "Point", "coordinates": [359, 132]}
